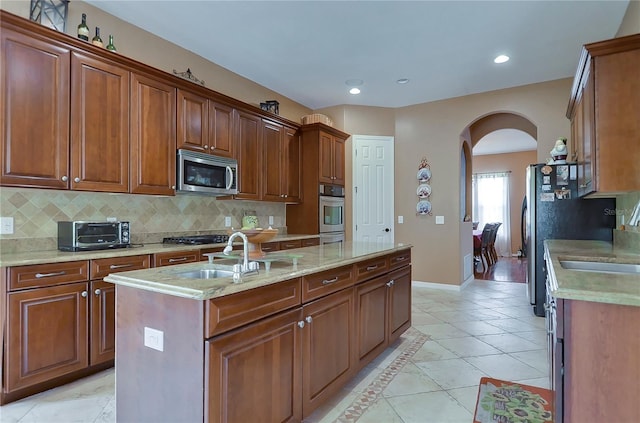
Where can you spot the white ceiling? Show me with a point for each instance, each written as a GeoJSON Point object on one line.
{"type": "Point", "coordinates": [504, 141]}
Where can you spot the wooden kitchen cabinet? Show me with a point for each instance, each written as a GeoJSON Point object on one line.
{"type": "Point", "coordinates": [249, 148]}
{"type": "Point", "coordinates": [175, 257]}
{"type": "Point", "coordinates": [35, 110]}
{"type": "Point", "coordinates": [603, 110]}
{"type": "Point", "coordinates": [331, 158]}
{"type": "Point", "coordinates": [282, 156]}
{"type": "Point", "coordinates": [204, 125]}
{"type": "Point", "coordinates": [152, 136]}
{"type": "Point", "coordinates": [399, 303]}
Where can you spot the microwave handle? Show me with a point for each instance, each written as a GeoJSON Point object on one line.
{"type": "Point", "coordinates": [230, 173]}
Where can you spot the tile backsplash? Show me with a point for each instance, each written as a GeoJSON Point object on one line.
{"type": "Point", "coordinates": [36, 213]}
{"type": "Point", "coordinates": [630, 237]}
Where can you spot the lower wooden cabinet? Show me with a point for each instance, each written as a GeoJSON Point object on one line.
{"type": "Point", "coordinates": [399, 303]}
{"type": "Point", "coordinates": [102, 322]}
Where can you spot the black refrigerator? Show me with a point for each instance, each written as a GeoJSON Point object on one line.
{"type": "Point", "coordinates": [554, 211]}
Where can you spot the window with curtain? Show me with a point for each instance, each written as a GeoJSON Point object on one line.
{"type": "Point", "coordinates": [491, 204]}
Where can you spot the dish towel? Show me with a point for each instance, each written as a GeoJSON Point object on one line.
{"type": "Point", "coordinates": [509, 402]}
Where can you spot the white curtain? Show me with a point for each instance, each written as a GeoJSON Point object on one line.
{"type": "Point", "coordinates": [491, 204]}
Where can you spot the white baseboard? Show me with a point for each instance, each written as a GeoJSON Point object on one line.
{"type": "Point", "coordinates": [444, 286]}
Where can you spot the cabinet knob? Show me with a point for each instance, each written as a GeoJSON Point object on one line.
{"type": "Point", "coordinates": [205, 146]}
{"type": "Point", "coordinates": [76, 179]}
{"type": "Point", "coordinates": [84, 294]}
{"type": "Point", "coordinates": [97, 291]}
{"type": "Point", "coordinates": [173, 187]}
{"type": "Point", "coordinates": [301, 323]}
{"type": "Point", "coordinates": [64, 178]}
{"type": "Point", "coordinates": [309, 319]}
{"type": "Point", "coordinates": [391, 283]}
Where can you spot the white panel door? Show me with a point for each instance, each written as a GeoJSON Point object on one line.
{"type": "Point", "coordinates": [373, 169]}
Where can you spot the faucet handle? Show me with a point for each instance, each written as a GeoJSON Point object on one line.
{"type": "Point", "coordinates": [254, 265]}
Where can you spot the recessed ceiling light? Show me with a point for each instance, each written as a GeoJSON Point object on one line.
{"type": "Point", "coordinates": [354, 82]}
{"type": "Point", "coordinates": [501, 59]}
{"type": "Point", "coordinates": [402, 80]}
{"type": "Point", "coordinates": [354, 90]}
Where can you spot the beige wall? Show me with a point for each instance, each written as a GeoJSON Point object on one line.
{"type": "Point", "coordinates": [516, 163]}
{"type": "Point", "coordinates": [631, 21]}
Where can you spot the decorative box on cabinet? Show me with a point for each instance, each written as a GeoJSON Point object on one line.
{"type": "Point", "coordinates": [603, 109]}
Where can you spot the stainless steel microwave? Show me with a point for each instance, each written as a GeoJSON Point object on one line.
{"type": "Point", "coordinates": [206, 174]}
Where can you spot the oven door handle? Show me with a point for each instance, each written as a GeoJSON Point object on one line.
{"type": "Point", "coordinates": [230, 179]}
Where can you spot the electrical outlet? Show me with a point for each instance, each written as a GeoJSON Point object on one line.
{"type": "Point", "coordinates": [6, 225]}
{"type": "Point", "coordinates": [227, 221]}
{"type": "Point", "coordinates": [154, 338]}
{"type": "Point", "coordinates": [439, 220]}
{"type": "Point", "coordinates": [112, 219]}
{"type": "Point", "coordinates": [400, 219]}
{"type": "Point", "coordinates": [270, 220]}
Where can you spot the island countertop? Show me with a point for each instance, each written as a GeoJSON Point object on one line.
{"type": "Point", "coordinates": [308, 260]}
{"type": "Point", "coordinates": [612, 288]}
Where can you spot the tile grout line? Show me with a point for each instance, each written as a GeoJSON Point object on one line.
{"type": "Point", "coordinates": [371, 394]}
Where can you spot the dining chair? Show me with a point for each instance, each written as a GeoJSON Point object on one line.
{"type": "Point", "coordinates": [492, 242]}
{"type": "Point", "coordinates": [482, 251]}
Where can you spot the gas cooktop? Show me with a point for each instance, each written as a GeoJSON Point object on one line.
{"type": "Point", "coordinates": [197, 239]}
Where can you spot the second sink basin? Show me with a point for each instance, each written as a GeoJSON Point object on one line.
{"type": "Point", "coordinates": [206, 274]}
{"type": "Point", "coordinates": [597, 266]}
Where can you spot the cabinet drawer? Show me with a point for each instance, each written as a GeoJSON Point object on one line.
{"type": "Point", "coordinates": [235, 310]}
{"type": "Point", "coordinates": [323, 283]}
{"type": "Point", "coordinates": [37, 275]}
{"type": "Point", "coordinates": [311, 242]}
{"type": "Point", "coordinates": [209, 250]}
{"type": "Point", "coordinates": [288, 245]}
{"type": "Point", "coordinates": [370, 268]}
{"type": "Point", "coordinates": [397, 260]}
{"type": "Point", "coordinates": [169, 259]}
{"type": "Point", "coordinates": [102, 267]}
{"type": "Point", "coordinates": [268, 247]}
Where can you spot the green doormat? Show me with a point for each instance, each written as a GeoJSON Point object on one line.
{"type": "Point", "coordinates": [500, 401]}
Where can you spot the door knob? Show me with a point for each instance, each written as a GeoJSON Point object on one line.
{"type": "Point", "coordinates": [386, 229]}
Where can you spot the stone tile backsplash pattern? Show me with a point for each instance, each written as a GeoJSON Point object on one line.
{"type": "Point", "coordinates": [36, 213]}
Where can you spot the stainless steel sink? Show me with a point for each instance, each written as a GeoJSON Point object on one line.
{"type": "Point", "coordinates": [602, 267]}
{"type": "Point", "coordinates": [206, 274]}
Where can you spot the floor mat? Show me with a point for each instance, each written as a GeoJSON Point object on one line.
{"type": "Point", "coordinates": [509, 402]}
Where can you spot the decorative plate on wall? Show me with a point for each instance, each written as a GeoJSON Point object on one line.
{"type": "Point", "coordinates": [423, 207]}
{"type": "Point", "coordinates": [424, 190]}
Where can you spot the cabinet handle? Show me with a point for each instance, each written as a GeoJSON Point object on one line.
{"type": "Point", "coordinates": [120, 266]}
{"type": "Point", "coordinates": [64, 178]}
{"type": "Point", "coordinates": [391, 283]}
{"type": "Point", "coordinates": [301, 324]}
{"type": "Point", "coordinates": [76, 179]}
{"type": "Point", "coordinates": [374, 267]}
{"type": "Point", "coordinates": [328, 281]}
{"type": "Point", "coordinates": [309, 319]}
{"type": "Point", "coordinates": [84, 294]}
{"type": "Point", "coordinates": [173, 260]}
{"type": "Point", "coordinates": [289, 245]}
{"type": "Point", "coordinates": [97, 291]}
{"type": "Point", "coordinates": [205, 146]}
{"type": "Point", "coordinates": [48, 275]}
{"type": "Point", "coordinates": [173, 187]}
{"type": "Point", "coordinates": [403, 258]}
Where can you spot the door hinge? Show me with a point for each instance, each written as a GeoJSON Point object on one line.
{"type": "Point", "coordinates": [356, 189]}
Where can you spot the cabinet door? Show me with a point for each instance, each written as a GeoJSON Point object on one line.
{"type": "Point", "coordinates": [249, 141]}
{"type": "Point", "coordinates": [399, 303]}
{"type": "Point", "coordinates": [371, 319]}
{"type": "Point", "coordinates": [221, 129]}
{"type": "Point", "coordinates": [255, 368]}
{"type": "Point", "coordinates": [46, 334]}
{"type": "Point", "coordinates": [327, 347]}
{"type": "Point", "coordinates": [99, 125]}
{"type": "Point", "coordinates": [102, 335]}
{"type": "Point", "coordinates": [153, 136]}
{"type": "Point", "coordinates": [272, 159]}
{"type": "Point", "coordinates": [587, 184]}
{"type": "Point", "coordinates": [292, 174]}
{"type": "Point", "coordinates": [338, 161]}
{"type": "Point", "coordinates": [193, 122]}
{"type": "Point", "coordinates": [325, 144]}
{"type": "Point", "coordinates": [35, 112]}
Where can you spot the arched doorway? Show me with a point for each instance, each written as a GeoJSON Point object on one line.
{"type": "Point", "coordinates": [510, 165]}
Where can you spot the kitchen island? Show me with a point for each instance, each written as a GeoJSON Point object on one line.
{"type": "Point", "coordinates": [594, 339]}
{"type": "Point", "coordinates": [271, 347]}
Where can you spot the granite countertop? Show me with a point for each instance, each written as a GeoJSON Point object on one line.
{"type": "Point", "coordinates": [56, 256]}
{"type": "Point", "coordinates": [613, 288]}
{"type": "Point", "coordinates": [309, 260]}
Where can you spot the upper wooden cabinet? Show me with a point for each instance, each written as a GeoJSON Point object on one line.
{"type": "Point", "coordinates": [603, 109]}
{"type": "Point", "coordinates": [153, 136]}
{"type": "Point", "coordinates": [249, 142]}
{"type": "Point", "coordinates": [281, 157]}
{"type": "Point", "coordinates": [205, 125]}
{"type": "Point", "coordinates": [331, 158]}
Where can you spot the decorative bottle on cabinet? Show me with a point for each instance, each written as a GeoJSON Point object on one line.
{"type": "Point", "coordinates": [97, 41]}
{"type": "Point", "coordinates": [110, 46]}
{"type": "Point", "coordinates": [83, 29]}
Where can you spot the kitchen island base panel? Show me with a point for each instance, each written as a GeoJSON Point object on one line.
{"type": "Point", "coordinates": [152, 385]}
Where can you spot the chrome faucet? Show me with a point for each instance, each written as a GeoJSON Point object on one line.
{"type": "Point", "coordinates": [247, 267]}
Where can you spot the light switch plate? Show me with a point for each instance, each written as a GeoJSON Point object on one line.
{"type": "Point", "coordinates": [400, 219]}
{"type": "Point", "coordinates": [6, 225]}
{"type": "Point", "coordinates": [439, 220]}
{"type": "Point", "coordinates": [154, 338]}
{"type": "Point", "coordinates": [227, 221]}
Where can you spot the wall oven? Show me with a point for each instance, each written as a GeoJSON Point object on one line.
{"type": "Point", "coordinates": [331, 209]}
{"type": "Point", "coordinates": [332, 238]}
{"type": "Point", "coordinates": [206, 174]}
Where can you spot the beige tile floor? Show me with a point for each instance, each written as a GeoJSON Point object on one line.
{"type": "Point", "coordinates": [430, 375]}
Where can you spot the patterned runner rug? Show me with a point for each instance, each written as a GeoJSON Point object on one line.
{"type": "Point", "coordinates": [500, 401]}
